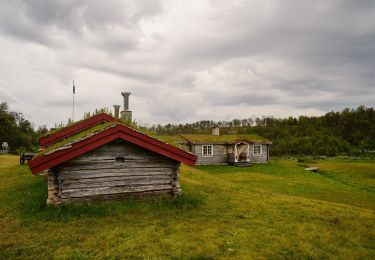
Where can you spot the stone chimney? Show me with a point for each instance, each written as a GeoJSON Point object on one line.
{"type": "Point", "coordinates": [215, 130]}
{"type": "Point", "coordinates": [117, 111]}
{"type": "Point", "coordinates": [126, 114]}
{"type": "Point", "coordinates": [126, 100]}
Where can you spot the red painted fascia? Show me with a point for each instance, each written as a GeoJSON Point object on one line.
{"type": "Point", "coordinates": [120, 131]}
{"type": "Point", "coordinates": [45, 141]}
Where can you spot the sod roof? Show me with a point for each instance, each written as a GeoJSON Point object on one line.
{"type": "Point", "coordinates": [76, 138]}
{"type": "Point", "coordinates": [175, 140]}
{"type": "Point", "coordinates": [224, 138]}
{"type": "Point", "coordinates": [57, 135]}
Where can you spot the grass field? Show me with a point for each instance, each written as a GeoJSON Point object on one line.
{"type": "Point", "coordinates": [276, 210]}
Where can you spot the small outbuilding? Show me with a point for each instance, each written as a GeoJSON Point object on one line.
{"type": "Point", "coordinates": [102, 158]}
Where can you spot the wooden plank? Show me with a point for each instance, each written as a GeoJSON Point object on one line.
{"type": "Point", "coordinates": [113, 173]}
{"type": "Point", "coordinates": [70, 193]}
{"type": "Point", "coordinates": [117, 178]}
{"type": "Point", "coordinates": [113, 165]}
{"type": "Point", "coordinates": [128, 183]}
{"type": "Point", "coordinates": [219, 155]}
{"type": "Point", "coordinates": [118, 169]}
{"type": "Point", "coordinates": [125, 164]}
{"type": "Point", "coordinates": [112, 159]}
{"type": "Point", "coordinates": [108, 154]}
{"type": "Point", "coordinates": [121, 196]}
{"type": "Point", "coordinates": [111, 156]}
{"type": "Point", "coordinates": [120, 178]}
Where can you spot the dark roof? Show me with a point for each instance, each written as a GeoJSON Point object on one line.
{"type": "Point", "coordinates": [252, 138]}
{"type": "Point", "coordinates": [56, 136]}
{"type": "Point", "coordinates": [99, 135]}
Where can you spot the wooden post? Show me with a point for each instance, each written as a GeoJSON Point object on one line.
{"type": "Point", "coordinates": [176, 188]}
{"type": "Point", "coordinates": [53, 189]}
{"type": "Point", "coordinates": [235, 153]}
{"type": "Point", "coordinates": [248, 153]}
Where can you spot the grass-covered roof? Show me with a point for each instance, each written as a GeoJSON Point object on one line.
{"type": "Point", "coordinates": [223, 138]}
{"type": "Point", "coordinates": [76, 137]}
{"type": "Point", "coordinates": [67, 142]}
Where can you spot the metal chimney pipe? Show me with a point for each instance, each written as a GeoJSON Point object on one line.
{"type": "Point", "coordinates": [126, 100]}
{"type": "Point", "coordinates": [117, 111]}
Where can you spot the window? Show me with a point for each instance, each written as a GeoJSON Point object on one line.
{"type": "Point", "coordinates": [207, 150]}
{"type": "Point", "coordinates": [257, 150]}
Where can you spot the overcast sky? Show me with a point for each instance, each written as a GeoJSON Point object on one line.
{"type": "Point", "coordinates": [186, 60]}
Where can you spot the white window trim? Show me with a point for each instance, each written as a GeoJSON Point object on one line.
{"type": "Point", "coordinates": [212, 150]}
{"type": "Point", "coordinates": [261, 150]}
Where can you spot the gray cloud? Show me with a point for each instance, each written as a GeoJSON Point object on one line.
{"type": "Point", "coordinates": [187, 60]}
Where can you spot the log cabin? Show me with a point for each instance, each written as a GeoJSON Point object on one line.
{"type": "Point", "coordinates": [110, 161]}
{"type": "Point", "coordinates": [216, 149]}
{"type": "Point", "coordinates": [101, 158]}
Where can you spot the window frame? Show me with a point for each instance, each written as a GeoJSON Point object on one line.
{"type": "Point", "coordinates": [260, 150]}
{"type": "Point", "coordinates": [212, 150]}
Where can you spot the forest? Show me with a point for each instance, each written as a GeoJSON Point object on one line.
{"type": "Point", "coordinates": [349, 132]}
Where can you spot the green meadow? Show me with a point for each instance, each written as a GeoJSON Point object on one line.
{"type": "Point", "coordinates": [269, 211]}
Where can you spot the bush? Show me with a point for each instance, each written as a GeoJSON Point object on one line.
{"type": "Point", "coordinates": [20, 150]}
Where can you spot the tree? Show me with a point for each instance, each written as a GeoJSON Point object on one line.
{"type": "Point", "coordinates": [16, 130]}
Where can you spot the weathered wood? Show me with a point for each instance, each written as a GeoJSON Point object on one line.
{"type": "Point", "coordinates": [219, 156]}
{"type": "Point", "coordinates": [109, 173]}
{"type": "Point", "coordinates": [112, 158]}
{"type": "Point", "coordinates": [97, 174]}
{"type": "Point", "coordinates": [117, 178]}
{"type": "Point", "coordinates": [134, 182]}
{"type": "Point", "coordinates": [53, 188]}
{"type": "Point", "coordinates": [124, 169]}
{"type": "Point", "coordinates": [95, 191]}
{"type": "Point", "coordinates": [222, 153]}
{"type": "Point", "coordinates": [120, 196]}
{"type": "Point", "coordinates": [113, 165]}
{"type": "Point", "coordinates": [262, 158]}
{"type": "Point", "coordinates": [110, 155]}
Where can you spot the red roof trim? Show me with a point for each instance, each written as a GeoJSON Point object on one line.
{"type": "Point", "coordinates": [75, 128]}
{"type": "Point", "coordinates": [120, 131]}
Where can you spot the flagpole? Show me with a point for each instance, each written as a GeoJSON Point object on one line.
{"type": "Point", "coordinates": [73, 100]}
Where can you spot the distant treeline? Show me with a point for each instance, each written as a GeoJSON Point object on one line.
{"type": "Point", "coordinates": [349, 132]}
{"type": "Point", "coordinates": [17, 131]}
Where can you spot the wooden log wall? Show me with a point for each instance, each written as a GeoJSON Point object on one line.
{"type": "Point", "coordinates": [219, 157]}
{"type": "Point", "coordinates": [263, 157]}
{"type": "Point", "coordinates": [117, 170]}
